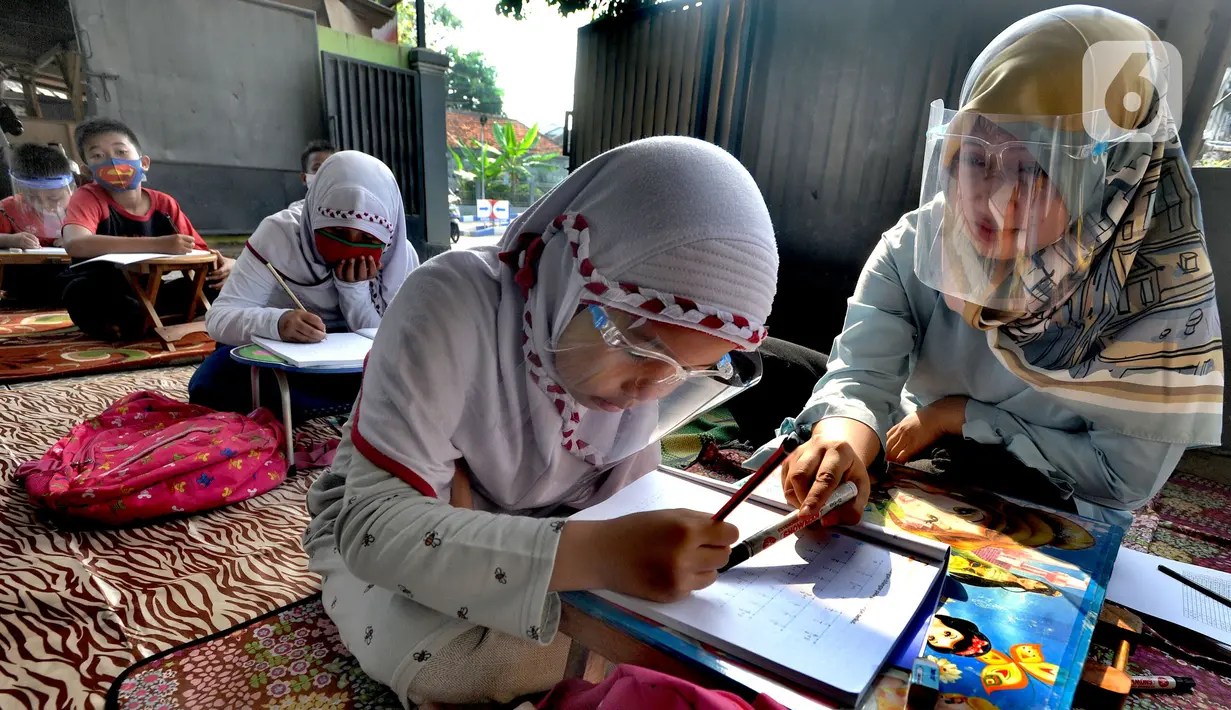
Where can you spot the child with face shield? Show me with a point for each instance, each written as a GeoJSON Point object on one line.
{"type": "Point", "coordinates": [1044, 324]}
{"type": "Point", "coordinates": [508, 385]}
{"type": "Point", "coordinates": [32, 217]}
{"type": "Point", "coordinates": [42, 186]}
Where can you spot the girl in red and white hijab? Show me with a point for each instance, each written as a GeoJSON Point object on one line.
{"type": "Point", "coordinates": [343, 252]}
{"type": "Point", "coordinates": [509, 384]}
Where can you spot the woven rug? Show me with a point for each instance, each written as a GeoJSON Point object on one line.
{"type": "Point", "coordinates": [77, 608]}
{"type": "Point", "coordinates": [39, 345]}
{"type": "Point", "coordinates": [289, 659]}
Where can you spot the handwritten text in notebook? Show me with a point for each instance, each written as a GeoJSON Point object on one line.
{"type": "Point", "coordinates": [823, 609]}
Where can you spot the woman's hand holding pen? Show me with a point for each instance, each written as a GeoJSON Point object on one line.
{"type": "Point", "coordinates": [814, 470]}
{"type": "Point", "coordinates": [660, 555]}
{"type": "Point", "coordinates": [301, 327]}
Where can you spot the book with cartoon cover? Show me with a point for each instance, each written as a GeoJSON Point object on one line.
{"type": "Point", "coordinates": [1023, 593]}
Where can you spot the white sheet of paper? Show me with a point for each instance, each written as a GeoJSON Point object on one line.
{"type": "Point", "coordinates": [1137, 584]}
{"type": "Point", "coordinates": [336, 350]}
{"type": "Point", "coordinates": [369, 333]}
{"type": "Point", "coordinates": [58, 251]}
{"type": "Point", "coordinates": [137, 257]}
{"type": "Point", "coordinates": [769, 493]}
{"type": "Point", "coordinates": [814, 609]}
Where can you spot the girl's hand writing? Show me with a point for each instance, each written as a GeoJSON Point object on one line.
{"type": "Point", "coordinates": [301, 327]}
{"type": "Point", "coordinates": [20, 240]}
{"type": "Point", "coordinates": [661, 555]}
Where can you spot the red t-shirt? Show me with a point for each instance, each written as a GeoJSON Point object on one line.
{"type": "Point", "coordinates": [16, 216]}
{"type": "Point", "coordinates": [93, 208]}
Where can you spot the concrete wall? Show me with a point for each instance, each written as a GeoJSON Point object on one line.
{"type": "Point", "coordinates": [222, 93]}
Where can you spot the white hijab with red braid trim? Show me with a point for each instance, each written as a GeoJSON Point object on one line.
{"type": "Point", "coordinates": [354, 190]}
{"type": "Point", "coordinates": [674, 229]}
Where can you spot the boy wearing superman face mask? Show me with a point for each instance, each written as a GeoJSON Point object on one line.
{"type": "Point", "coordinates": [115, 214]}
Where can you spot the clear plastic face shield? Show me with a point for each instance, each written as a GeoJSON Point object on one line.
{"type": "Point", "coordinates": [44, 195]}
{"type": "Point", "coordinates": [614, 361]}
{"type": "Point", "coordinates": [1004, 199]}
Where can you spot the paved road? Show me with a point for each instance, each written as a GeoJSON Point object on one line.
{"type": "Point", "coordinates": [471, 242]}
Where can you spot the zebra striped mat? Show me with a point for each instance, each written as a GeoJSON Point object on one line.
{"type": "Point", "coordinates": [77, 608]}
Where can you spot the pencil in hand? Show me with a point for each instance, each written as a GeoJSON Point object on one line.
{"type": "Point", "coordinates": [301, 325]}
{"type": "Point", "coordinates": [289, 292]}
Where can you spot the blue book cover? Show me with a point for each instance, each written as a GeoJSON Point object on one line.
{"type": "Point", "coordinates": [1022, 596]}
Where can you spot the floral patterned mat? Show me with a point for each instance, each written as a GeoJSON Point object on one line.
{"type": "Point", "coordinates": [289, 659]}
{"type": "Point", "coordinates": [293, 659]}
{"type": "Point", "coordinates": [39, 345]}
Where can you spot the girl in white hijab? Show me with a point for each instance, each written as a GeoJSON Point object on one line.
{"type": "Point", "coordinates": [343, 252]}
{"type": "Point", "coordinates": [537, 376]}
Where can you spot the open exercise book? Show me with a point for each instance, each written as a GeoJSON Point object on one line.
{"type": "Point", "coordinates": [826, 609]}
{"type": "Point", "coordinates": [49, 251]}
{"type": "Point", "coordinates": [136, 257]}
{"type": "Point", "coordinates": [336, 350]}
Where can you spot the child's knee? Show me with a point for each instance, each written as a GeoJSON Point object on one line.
{"type": "Point", "coordinates": [486, 666]}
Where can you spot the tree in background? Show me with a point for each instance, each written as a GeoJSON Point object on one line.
{"type": "Point", "coordinates": [515, 159]}
{"type": "Point", "coordinates": [471, 161]}
{"type": "Point", "coordinates": [508, 161]}
{"type": "Point", "coordinates": [440, 21]}
{"type": "Point", "coordinates": [470, 83]}
{"type": "Point", "coordinates": [600, 9]}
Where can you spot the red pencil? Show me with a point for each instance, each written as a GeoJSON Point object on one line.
{"type": "Point", "coordinates": [789, 444]}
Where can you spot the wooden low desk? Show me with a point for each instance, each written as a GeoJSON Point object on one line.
{"type": "Point", "coordinates": [17, 258]}
{"type": "Point", "coordinates": [146, 280]}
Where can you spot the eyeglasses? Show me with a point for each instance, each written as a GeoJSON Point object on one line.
{"type": "Point", "coordinates": [620, 332]}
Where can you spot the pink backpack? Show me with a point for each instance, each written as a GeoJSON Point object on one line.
{"type": "Point", "coordinates": [149, 456]}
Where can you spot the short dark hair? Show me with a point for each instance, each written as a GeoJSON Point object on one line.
{"type": "Point", "coordinates": [98, 126]}
{"type": "Point", "coordinates": [31, 160]}
{"type": "Point", "coordinates": [321, 146]}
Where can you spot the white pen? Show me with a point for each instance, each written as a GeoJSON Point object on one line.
{"type": "Point", "coordinates": [787, 527]}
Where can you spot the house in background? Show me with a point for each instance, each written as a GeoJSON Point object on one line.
{"type": "Point", "coordinates": [365, 18]}
{"type": "Point", "coordinates": [467, 128]}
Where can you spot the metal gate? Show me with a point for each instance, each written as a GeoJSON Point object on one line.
{"type": "Point", "coordinates": [374, 109]}
{"type": "Point", "coordinates": [678, 69]}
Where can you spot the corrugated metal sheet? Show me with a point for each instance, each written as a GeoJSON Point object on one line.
{"type": "Point", "coordinates": [371, 108]}
{"type": "Point", "coordinates": [825, 101]}
{"type": "Point", "coordinates": [677, 69]}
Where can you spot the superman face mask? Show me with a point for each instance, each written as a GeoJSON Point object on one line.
{"type": "Point", "coordinates": [118, 174]}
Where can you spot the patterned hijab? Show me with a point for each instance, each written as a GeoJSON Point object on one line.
{"type": "Point", "coordinates": [1137, 335]}
{"type": "Point", "coordinates": [354, 190]}
{"type": "Point", "coordinates": [671, 229]}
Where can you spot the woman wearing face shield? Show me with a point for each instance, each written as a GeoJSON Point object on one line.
{"type": "Point", "coordinates": [1044, 324]}
{"type": "Point", "coordinates": [509, 384]}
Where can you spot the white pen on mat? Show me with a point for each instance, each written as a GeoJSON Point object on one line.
{"type": "Point", "coordinates": [787, 527]}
